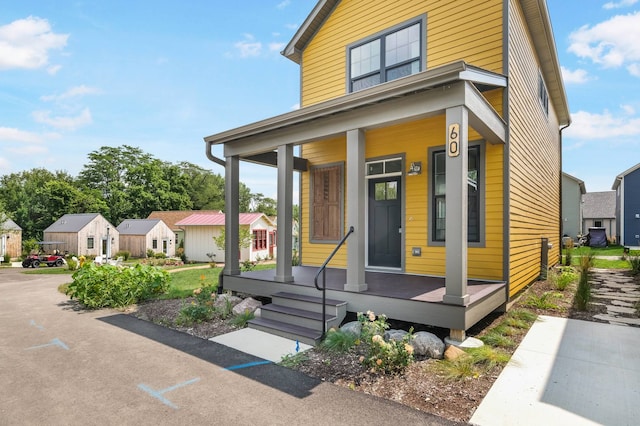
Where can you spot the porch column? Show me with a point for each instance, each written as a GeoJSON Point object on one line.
{"type": "Point", "coordinates": [285, 214]}
{"type": "Point", "coordinates": [232, 216]}
{"type": "Point", "coordinates": [356, 200]}
{"type": "Point", "coordinates": [456, 206]}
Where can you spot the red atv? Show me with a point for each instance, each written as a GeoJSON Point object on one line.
{"type": "Point", "coordinates": [35, 259]}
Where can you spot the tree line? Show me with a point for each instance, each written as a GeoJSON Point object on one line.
{"type": "Point", "coordinates": [119, 183]}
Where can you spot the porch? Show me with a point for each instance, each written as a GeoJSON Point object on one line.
{"type": "Point", "coordinates": [413, 298]}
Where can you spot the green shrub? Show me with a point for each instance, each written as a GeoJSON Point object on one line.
{"type": "Point", "coordinates": [124, 254]}
{"type": "Point", "coordinates": [241, 320]}
{"type": "Point", "coordinates": [634, 261]}
{"type": "Point", "coordinates": [339, 341]}
{"type": "Point", "coordinates": [194, 313]}
{"type": "Point", "coordinates": [72, 265]}
{"type": "Point", "coordinates": [544, 301]}
{"type": "Point", "coordinates": [386, 356]}
{"type": "Point", "coordinates": [583, 292]}
{"type": "Point", "coordinates": [150, 253]}
{"type": "Point", "coordinates": [563, 277]}
{"type": "Point", "coordinates": [160, 255]}
{"type": "Point", "coordinates": [111, 286]}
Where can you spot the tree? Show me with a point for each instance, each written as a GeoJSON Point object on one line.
{"type": "Point", "coordinates": [206, 189]}
{"type": "Point", "coordinates": [27, 200]}
{"type": "Point", "coordinates": [246, 237]}
{"type": "Point", "coordinates": [262, 204]}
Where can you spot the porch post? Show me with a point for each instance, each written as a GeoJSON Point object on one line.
{"type": "Point", "coordinates": [356, 200]}
{"type": "Point", "coordinates": [232, 215]}
{"type": "Point", "coordinates": [456, 206]}
{"type": "Point", "coordinates": [285, 213]}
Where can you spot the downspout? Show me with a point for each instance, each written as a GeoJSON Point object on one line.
{"type": "Point", "coordinates": [560, 185]}
{"type": "Point", "coordinates": [210, 156]}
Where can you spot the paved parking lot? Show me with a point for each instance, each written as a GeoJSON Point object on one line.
{"type": "Point", "coordinates": [59, 365]}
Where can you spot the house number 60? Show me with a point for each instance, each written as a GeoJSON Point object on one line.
{"type": "Point", "coordinates": [454, 140]}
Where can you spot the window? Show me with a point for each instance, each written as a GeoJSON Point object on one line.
{"type": "Point", "coordinates": [90, 243]}
{"type": "Point", "coordinates": [154, 244]}
{"type": "Point", "coordinates": [543, 95]}
{"type": "Point", "coordinates": [393, 54]}
{"type": "Point", "coordinates": [326, 203]}
{"type": "Point", "coordinates": [259, 239]}
{"type": "Point", "coordinates": [438, 195]}
{"type": "Point", "coordinates": [597, 223]}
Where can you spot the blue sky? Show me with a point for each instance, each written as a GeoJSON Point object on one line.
{"type": "Point", "coordinates": [159, 75]}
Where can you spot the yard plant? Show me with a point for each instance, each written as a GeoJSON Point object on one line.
{"type": "Point", "coordinates": [113, 286]}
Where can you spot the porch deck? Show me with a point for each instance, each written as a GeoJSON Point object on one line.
{"type": "Point", "coordinates": [412, 298]}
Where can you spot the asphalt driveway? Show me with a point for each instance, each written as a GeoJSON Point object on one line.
{"type": "Point", "coordinates": [60, 365]}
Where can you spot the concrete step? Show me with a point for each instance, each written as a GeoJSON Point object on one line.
{"type": "Point", "coordinates": [287, 330]}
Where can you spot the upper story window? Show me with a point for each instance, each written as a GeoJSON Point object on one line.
{"type": "Point", "coordinates": [387, 56]}
{"type": "Point", "coordinates": [543, 95]}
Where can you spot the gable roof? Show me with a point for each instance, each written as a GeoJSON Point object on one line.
{"type": "Point", "coordinates": [137, 226]}
{"type": "Point", "coordinates": [580, 183]}
{"type": "Point", "coordinates": [217, 219]}
{"type": "Point", "coordinates": [599, 205]}
{"type": "Point", "coordinates": [10, 225]}
{"type": "Point", "coordinates": [171, 217]}
{"type": "Point", "coordinates": [538, 21]}
{"type": "Point", "coordinates": [72, 222]}
{"type": "Point", "coordinates": [619, 178]}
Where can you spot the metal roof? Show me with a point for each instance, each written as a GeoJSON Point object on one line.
{"type": "Point", "coordinates": [217, 219]}
{"type": "Point", "coordinates": [171, 217]}
{"type": "Point", "coordinates": [72, 222]}
{"type": "Point", "coordinates": [137, 226]}
{"type": "Point", "coordinates": [599, 205]}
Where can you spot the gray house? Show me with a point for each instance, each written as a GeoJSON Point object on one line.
{"type": "Point", "coordinates": [139, 235]}
{"type": "Point", "coordinates": [88, 234]}
{"type": "Point", "coordinates": [627, 190]}
{"type": "Point", "coordinates": [599, 211]}
{"type": "Point", "coordinates": [572, 191]}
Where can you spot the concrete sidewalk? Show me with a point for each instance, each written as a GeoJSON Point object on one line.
{"type": "Point", "coordinates": [568, 372]}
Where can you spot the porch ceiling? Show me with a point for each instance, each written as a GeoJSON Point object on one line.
{"type": "Point", "coordinates": [421, 95]}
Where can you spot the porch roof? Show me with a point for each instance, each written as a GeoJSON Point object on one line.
{"type": "Point", "coordinates": [420, 95]}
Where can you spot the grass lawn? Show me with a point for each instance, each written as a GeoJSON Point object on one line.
{"type": "Point", "coordinates": [184, 282]}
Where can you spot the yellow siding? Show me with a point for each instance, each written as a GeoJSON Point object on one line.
{"type": "Point", "coordinates": [413, 140]}
{"type": "Point", "coordinates": [456, 30]}
{"type": "Point", "coordinates": [534, 162]}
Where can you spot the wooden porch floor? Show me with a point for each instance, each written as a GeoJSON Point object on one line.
{"type": "Point", "coordinates": [382, 284]}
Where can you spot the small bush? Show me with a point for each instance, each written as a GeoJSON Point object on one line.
{"type": "Point", "coordinates": [159, 255]}
{"type": "Point", "coordinates": [241, 320]}
{"type": "Point", "coordinates": [72, 265]}
{"type": "Point", "coordinates": [634, 261]}
{"type": "Point", "coordinates": [194, 313]}
{"type": "Point", "coordinates": [111, 286]}
{"type": "Point", "coordinates": [339, 341]}
{"type": "Point", "coordinates": [562, 278]}
{"type": "Point", "coordinates": [385, 356]}
{"type": "Point", "coordinates": [150, 253]}
{"type": "Point", "coordinates": [544, 301]}
{"type": "Point", "coordinates": [583, 292]}
{"type": "Point", "coordinates": [124, 254]}
{"type": "Point", "coordinates": [247, 265]}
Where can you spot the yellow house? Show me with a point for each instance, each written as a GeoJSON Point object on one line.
{"type": "Point", "coordinates": [429, 141]}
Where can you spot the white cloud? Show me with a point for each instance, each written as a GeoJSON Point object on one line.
{"type": "Point", "coordinates": [26, 43]}
{"type": "Point", "coordinates": [292, 26]}
{"type": "Point", "coordinates": [295, 106]}
{"type": "Point", "coordinates": [16, 135]}
{"type": "Point", "coordinates": [276, 47]}
{"type": "Point", "coordinates": [586, 125]}
{"type": "Point", "coordinates": [634, 69]}
{"type": "Point", "coordinates": [5, 164]}
{"type": "Point", "coordinates": [283, 4]}
{"type": "Point", "coordinates": [65, 123]}
{"type": "Point", "coordinates": [628, 109]}
{"type": "Point", "coordinates": [612, 43]}
{"type": "Point", "coordinates": [578, 76]}
{"type": "Point", "coordinates": [76, 91]}
{"type": "Point", "coordinates": [248, 47]}
{"type": "Point", "coordinates": [29, 149]}
{"type": "Point", "coordinates": [53, 69]}
{"type": "Point", "coordinates": [622, 3]}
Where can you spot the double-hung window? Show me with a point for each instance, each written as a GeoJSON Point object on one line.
{"type": "Point", "coordinates": [438, 177]}
{"type": "Point", "coordinates": [387, 56]}
{"type": "Point", "coordinates": [259, 239]}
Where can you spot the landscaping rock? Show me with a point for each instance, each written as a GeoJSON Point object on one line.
{"type": "Point", "coordinates": [353, 327]}
{"type": "Point", "coordinates": [221, 300]}
{"type": "Point", "coordinates": [453, 353]}
{"type": "Point", "coordinates": [249, 304]}
{"type": "Point", "coordinates": [427, 344]}
{"type": "Point", "coordinates": [394, 335]}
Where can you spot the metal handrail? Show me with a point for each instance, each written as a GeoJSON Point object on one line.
{"type": "Point", "coordinates": [323, 271]}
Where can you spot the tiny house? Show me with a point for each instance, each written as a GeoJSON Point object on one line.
{"type": "Point", "coordinates": [88, 234]}
{"type": "Point", "coordinates": [138, 236]}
